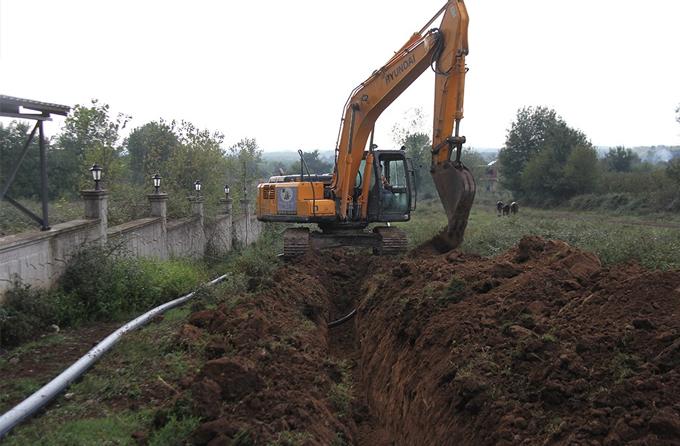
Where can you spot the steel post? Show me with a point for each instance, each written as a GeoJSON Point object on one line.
{"type": "Point", "coordinates": [43, 178]}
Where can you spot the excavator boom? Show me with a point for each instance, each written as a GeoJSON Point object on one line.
{"type": "Point", "coordinates": [383, 190]}
{"type": "Point", "coordinates": [444, 49]}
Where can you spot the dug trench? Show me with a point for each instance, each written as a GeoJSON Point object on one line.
{"type": "Point", "coordinates": [540, 345]}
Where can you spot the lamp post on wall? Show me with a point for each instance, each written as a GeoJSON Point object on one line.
{"type": "Point", "coordinates": [156, 183]}
{"type": "Point", "coordinates": [96, 204]}
{"type": "Point", "coordinates": [226, 200]}
{"type": "Point", "coordinates": [197, 188]}
{"type": "Point", "coordinates": [96, 172]}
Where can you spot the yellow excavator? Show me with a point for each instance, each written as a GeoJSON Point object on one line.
{"type": "Point", "coordinates": [378, 186]}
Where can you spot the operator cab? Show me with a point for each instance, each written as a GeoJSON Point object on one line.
{"type": "Point", "coordinates": [392, 194]}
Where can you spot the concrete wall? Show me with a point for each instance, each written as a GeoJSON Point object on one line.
{"type": "Point", "coordinates": [39, 258]}
{"type": "Point", "coordinates": [142, 237]}
{"type": "Point", "coordinates": [246, 230]}
{"type": "Point", "coordinates": [186, 238]}
{"type": "Point", "coordinates": [219, 232]}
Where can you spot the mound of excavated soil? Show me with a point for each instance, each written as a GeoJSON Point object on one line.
{"type": "Point", "coordinates": [269, 376]}
{"type": "Point", "coordinates": [541, 345]}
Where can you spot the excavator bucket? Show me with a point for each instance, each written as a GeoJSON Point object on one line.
{"type": "Point", "coordinates": [456, 189]}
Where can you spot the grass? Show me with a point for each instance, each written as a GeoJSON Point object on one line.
{"type": "Point", "coordinates": [111, 429]}
{"type": "Point", "coordinates": [175, 431]}
{"type": "Point", "coordinates": [89, 413]}
{"type": "Point", "coordinates": [98, 285]}
{"type": "Point", "coordinates": [341, 394]}
{"type": "Point", "coordinates": [124, 391]}
{"type": "Point", "coordinates": [454, 292]}
{"type": "Point", "coordinates": [17, 389]}
{"type": "Point", "coordinates": [291, 438]}
{"type": "Point", "coordinates": [13, 221]}
{"type": "Point", "coordinates": [614, 241]}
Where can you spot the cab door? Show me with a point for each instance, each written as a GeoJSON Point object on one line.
{"type": "Point", "coordinates": [393, 188]}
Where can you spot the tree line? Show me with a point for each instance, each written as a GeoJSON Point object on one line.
{"type": "Point", "coordinates": [546, 161]}
{"type": "Point", "coordinates": [179, 151]}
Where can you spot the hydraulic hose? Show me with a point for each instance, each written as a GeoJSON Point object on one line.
{"type": "Point", "coordinates": [49, 391]}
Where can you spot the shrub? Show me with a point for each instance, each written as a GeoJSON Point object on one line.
{"type": "Point", "coordinates": [98, 285]}
{"type": "Point", "coordinates": [105, 286]}
{"type": "Point", "coordinates": [25, 313]}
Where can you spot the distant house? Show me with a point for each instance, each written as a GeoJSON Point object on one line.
{"type": "Point", "coordinates": [489, 179]}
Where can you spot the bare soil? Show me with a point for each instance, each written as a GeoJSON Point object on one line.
{"type": "Point", "coordinates": [46, 358]}
{"type": "Point", "coordinates": [541, 345]}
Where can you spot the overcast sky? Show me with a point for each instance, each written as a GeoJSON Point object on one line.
{"type": "Point", "coordinates": [280, 71]}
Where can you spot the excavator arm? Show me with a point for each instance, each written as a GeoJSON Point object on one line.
{"type": "Point", "coordinates": [444, 49]}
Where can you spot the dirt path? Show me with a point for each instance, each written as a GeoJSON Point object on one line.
{"type": "Point", "coordinates": [24, 369]}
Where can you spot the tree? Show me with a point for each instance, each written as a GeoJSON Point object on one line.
{"type": "Point", "coordinates": [60, 164]}
{"type": "Point", "coordinates": [243, 163]}
{"type": "Point", "coordinates": [620, 159]}
{"type": "Point", "coordinates": [673, 170]}
{"type": "Point", "coordinates": [91, 135]}
{"type": "Point", "coordinates": [314, 163]}
{"type": "Point", "coordinates": [581, 171]}
{"type": "Point", "coordinates": [12, 140]}
{"type": "Point", "coordinates": [150, 147]}
{"type": "Point", "coordinates": [537, 150]}
{"type": "Point", "coordinates": [540, 178]}
{"type": "Point", "coordinates": [418, 145]}
{"type": "Point", "coordinates": [418, 148]}
{"type": "Point", "coordinates": [198, 156]}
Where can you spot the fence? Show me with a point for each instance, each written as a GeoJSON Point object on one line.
{"type": "Point", "coordinates": [39, 258]}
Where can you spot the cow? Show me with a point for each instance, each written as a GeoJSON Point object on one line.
{"type": "Point", "coordinates": [514, 208]}
{"type": "Point", "coordinates": [499, 208]}
{"type": "Point", "coordinates": [506, 210]}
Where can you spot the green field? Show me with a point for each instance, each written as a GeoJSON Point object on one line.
{"type": "Point", "coordinates": [654, 242]}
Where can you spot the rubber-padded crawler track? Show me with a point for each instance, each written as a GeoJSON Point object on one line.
{"type": "Point", "coordinates": [295, 242]}
{"type": "Point", "coordinates": [392, 241]}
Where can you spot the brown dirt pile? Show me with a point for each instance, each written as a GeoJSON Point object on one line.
{"type": "Point", "coordinates": [269, 376]}
{"type": "Point", "coordinates": [541, 345]}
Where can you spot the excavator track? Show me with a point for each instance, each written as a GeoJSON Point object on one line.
{"type": "Point", "coordinates": [295, 242]}
{"type": "Point", "coordinates": [392, 241]}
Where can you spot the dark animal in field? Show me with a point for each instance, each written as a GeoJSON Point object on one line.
{"type": "Point", "coordinates": [514, 208]}
{"type": "Point", "coordinates": [499, 208]}
{"type": "Point", "coordinates": [506, 209]}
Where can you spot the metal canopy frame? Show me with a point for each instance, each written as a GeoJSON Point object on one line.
{"type": "Point", "coordinates": [11, 107]}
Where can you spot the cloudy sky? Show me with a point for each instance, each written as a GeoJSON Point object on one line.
{"type": "Point", "coordinates": [280, 71]}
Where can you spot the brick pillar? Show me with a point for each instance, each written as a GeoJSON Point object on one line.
{"type": "Point", "coordinates": [228, 204]}
{"type": "Point", "coordinates": [159, 208]}
{"type": "Point", "coordinates": [197, 207]}
{"type": "Point", "coordinates": [96, 207]}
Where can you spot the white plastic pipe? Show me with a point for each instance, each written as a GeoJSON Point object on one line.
{"type": "Point", "coordinates": [33, 403]}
